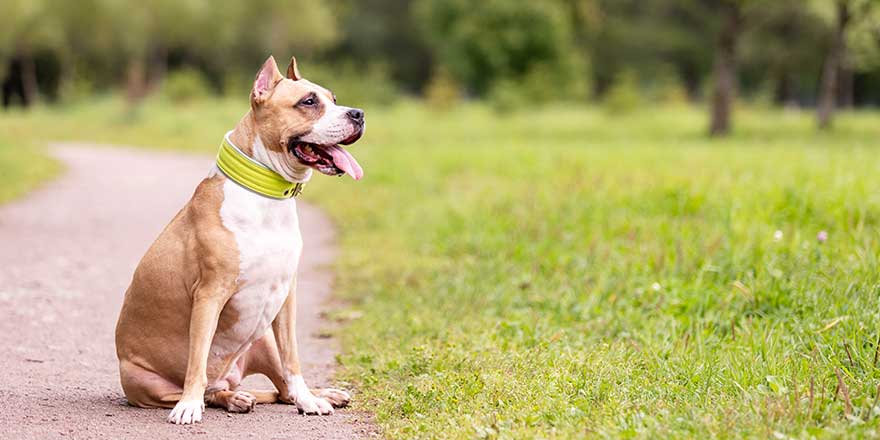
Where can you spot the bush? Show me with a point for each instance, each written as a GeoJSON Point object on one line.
{"type": "Point", "coordinates": [623, 96]}
{"type": "Point", "coordinates": [668, 88]}
{"type": "Point", "coordinates": [485, 42]}
{"type": "Point", "coordinates": [442, 92]}
{"type": "Point", "coordinates": [186, 85]}
{"type": "Point", "coordinates": [75, 90]}
{"type": "Point", "coordinates": [542, 84]}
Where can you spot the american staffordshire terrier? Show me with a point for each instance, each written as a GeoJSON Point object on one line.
{"type": "Point", "coordinates": [214, 298]}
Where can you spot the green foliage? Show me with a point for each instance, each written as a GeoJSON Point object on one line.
{"type": "Point", "coordinates": [540, 86]}
{"type": "Point", "coordinates": [667, 88]}
{"type": "Point", "coordinates": [76, 90]}
{"type": "Point", "coordinates": [508, 95]}
{"type": "Point", "coordinates": [624, 96]}
{"type": "Point", "coordinates": [494, 40]}
{"type": "Point", "coordinates": [442, 92]}
{"type": "Point", "coordinates": [383, 30]}
{"type": "Point", "coordinates": [490, 48]}
{"type": "Point", "coordinates": [772, 65]}
{"type": "Point", "coordinates": [185, 86]}
{"type": "Point", "coordinates": [864, 36]}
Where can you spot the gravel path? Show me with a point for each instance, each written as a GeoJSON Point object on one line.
{"type": "Point", "coordinates": [67, 253]}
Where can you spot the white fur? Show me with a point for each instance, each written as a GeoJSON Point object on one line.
{"type": "Point", "coordinates": [333, 127]}
{"type": "Point", "coordinates": [186, 412]}
{"type": "Point", "coordinates": [304, 399]}
{"type": "Point", "coordinates": [269, 244]}
{"type": "Point", "coordinates": [282, 163]}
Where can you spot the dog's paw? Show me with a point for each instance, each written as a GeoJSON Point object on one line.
{"type": "Point", "coordinates": [313, 406]}
{"type": "Point", "coordinates": [305, 401]}
{"type": "Point", "coordinates": [337, 398]}
{"type": "Point", "coordinates": [186, 412]}
{"type": "Point", "coordinates": [241, 402]}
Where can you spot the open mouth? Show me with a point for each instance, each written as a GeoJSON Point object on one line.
{"type": "Point", "coordinates": [331, 160]}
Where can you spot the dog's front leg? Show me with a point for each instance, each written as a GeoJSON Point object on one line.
{"type": "Point", "coordinates": [296, 391]}
{"type": "Point", "coordinates": [208, 301]}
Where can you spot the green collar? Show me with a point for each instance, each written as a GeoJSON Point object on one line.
{"type": "Point", "coordinates": [253, 175]}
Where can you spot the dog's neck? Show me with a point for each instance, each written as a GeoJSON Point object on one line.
{"type": "Point", "coordinates": [247, 139]}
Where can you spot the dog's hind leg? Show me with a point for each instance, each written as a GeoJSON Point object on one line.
{"type": "Point", "coordinates": [147, 389]}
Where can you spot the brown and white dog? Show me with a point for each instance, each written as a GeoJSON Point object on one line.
{"type": "Point", "coordinates": [214, 298]}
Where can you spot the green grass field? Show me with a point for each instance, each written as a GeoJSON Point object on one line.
{"type": "Point", "coordinates": [562, 273]}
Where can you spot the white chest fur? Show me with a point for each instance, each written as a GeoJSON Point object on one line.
{"type": "Point", "coordinates": [269, 244]}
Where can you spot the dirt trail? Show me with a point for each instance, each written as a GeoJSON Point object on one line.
{"type": "Point", "coordinates": [67, 252]}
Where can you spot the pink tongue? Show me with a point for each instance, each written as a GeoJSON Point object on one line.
{"type": "Point", "coordinates": [345, 161]}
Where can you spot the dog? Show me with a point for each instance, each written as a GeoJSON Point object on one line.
{"type": "Point", "coordinates": [213, 300]}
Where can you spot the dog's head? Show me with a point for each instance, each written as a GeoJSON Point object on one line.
{"type": "Point", "coordinates": [300, 121]}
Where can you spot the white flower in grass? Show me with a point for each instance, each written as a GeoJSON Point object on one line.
{"type": "Point", "coordinates": [656, 287]}
{"type": "Point", "coordinates": [777, 236]}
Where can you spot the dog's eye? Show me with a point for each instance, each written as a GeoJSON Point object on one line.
{"type": "Point", "coordinates": [308, 102]}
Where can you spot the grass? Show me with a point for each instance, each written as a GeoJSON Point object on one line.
{"type": "Point", "coordinates": [562, 273]}
{"type": "Point", "coordinates": [23, 167]}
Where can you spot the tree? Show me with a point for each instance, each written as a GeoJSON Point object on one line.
{"type": "Point", "coordinates": [778, 52]}
{"type": "Point", "coordinates": [483, 43]}
{"type": "Point", "coordinates": [724, 71]}
{"type": "Point", "coordinates": [833, 61]}
{"type": "Point", "coordinates": [25, 33]}
{"type": "Point", "coordinates": [384, 32]}
{"type": "Point", "coordinates": [846, 12]}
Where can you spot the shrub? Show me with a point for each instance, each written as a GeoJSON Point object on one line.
{"type": "Point", "coordinates": [541, 85]}
{"type": "Point", "coordinates": [186, 85]}
{"type": "Point", "coordinates": [623, 96]}
{"type": "Point", "coordinates": [442, 92]}
{"type": "Point", "coordinates": [668, 88]}
{"type": "Point", "coordinates": [76, 89]}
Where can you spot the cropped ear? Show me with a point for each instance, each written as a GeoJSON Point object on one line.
{"type": "Point", "coordinates": [292, 70]}
{"type": "Point", "coordinates": [265, 82]}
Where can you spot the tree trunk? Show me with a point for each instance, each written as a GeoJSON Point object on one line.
{"type": "Point", "coordinates": [786, 93]}
{"type": "Point", "coordinates": [136, 80]}
{"type": "Point", "coordinates": [66, 75]}
{"type": "Point", "coordinates": [158, 68]}
{"type": "Point", "coordinates": [831, 69]}
{"type": "Point", "coordinates": [724, 70]}
{"type": "Point", "coordinates": [846, 91]}
{"type": "Point", "coordinates": [28, 78]}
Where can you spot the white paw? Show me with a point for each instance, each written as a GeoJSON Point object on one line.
{"type": "Point", "coordinates": [241, 402]}
{"type": "Point", "coordinates": [305, 401]}
{"type": "Point", "coordinates": [313, 406]}
{"type": "Point", "coordinates": [186, 412]}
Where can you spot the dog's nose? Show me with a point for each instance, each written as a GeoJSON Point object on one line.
{"type": "Point", "coordinates": [356, 114]}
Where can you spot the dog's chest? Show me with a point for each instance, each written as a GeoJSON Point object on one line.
{"type": "Point", "coordinates": [269, 244]}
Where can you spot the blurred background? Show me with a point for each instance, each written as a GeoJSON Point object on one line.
{"type": "Point", "coordinates": [822, 54]}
